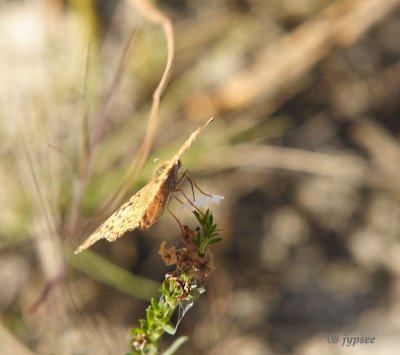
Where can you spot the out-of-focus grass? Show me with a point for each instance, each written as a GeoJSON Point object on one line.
{"type": "Point", "coordinates": [104, 271]}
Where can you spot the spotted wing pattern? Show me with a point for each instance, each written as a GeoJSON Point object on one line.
{"type": "Point", "coordinates": [143, 208]}
{"type": "Point", "coordinates": [128, 217]}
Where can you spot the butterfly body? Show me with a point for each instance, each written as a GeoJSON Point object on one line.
{"type": "Point", "coordinates": [143, 208]}
{"type": "Point", "coordinates": [161, 198]}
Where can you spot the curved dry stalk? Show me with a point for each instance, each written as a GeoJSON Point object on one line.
{"type": "Point", "coordinates": [157, 17]}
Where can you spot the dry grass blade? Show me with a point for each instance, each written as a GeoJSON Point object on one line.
{"type": "Point", "coordinates": [88, 144]}
{"type": "Point", "coordinates": [278, 66]}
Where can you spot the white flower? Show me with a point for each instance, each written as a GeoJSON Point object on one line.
{"type": "Point", "coordinates": [202, 201]}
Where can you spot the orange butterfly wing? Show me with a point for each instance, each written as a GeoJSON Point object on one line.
{"type": "Point", "coordinates": [128, 217]}
{"type": "Point", "coordinates": [143, 208]}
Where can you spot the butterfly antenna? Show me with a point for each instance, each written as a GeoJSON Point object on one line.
{"type": "Point", "coordinates": [192, 182]}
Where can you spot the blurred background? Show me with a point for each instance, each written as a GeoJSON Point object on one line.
{"type": "Point", "coordinates": [304, 147]}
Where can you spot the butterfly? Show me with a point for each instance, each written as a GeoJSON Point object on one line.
{"type": "Point", "coordinates": [143, 209]}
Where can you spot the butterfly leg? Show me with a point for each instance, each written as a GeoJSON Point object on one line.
{"type": "Point", "coordinates": [186, 175]}
{"type": "Point", "coordinates": [194, 184]}
{"type": "Point", "coordinates": [176, 219]}
{"type": "Point", "coordinates": [187, 199]}
{"type": "Point", "coordinates": [178, 184]}
{"type": "Point", "coordinates": [190, 201]}
{"type": "Point", "coordinates": [182, 177]}
{"type": "Point", "coordinates": [176, 198]}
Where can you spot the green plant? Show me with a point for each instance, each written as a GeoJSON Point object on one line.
{"type": "Point", "coordinates": [194, 264]}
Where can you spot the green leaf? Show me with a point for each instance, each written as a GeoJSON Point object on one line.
{"type": "Point", "coordinates": [137, 331]}
{"type": "Point", "coordinates": [215, 240]}
{"type": "Point", "coordinates": [197, 215]}
{"type": "Point", "coordinates": [150, 314]}
{"type": "Point", "coordinates": [203, 246]}
{"type": "Point", "coordinates": [210, 219]}
{"type": "Point", "coordinates": [175, 345]}
{"type": "Point", "coordinates": [197, 240]}
{"type": "Point", "coordinates": [154, 304]}
{"type": "Point", "coordinates": [144, 324]}
{"type": "Point", "coordinates": [169, 328]}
